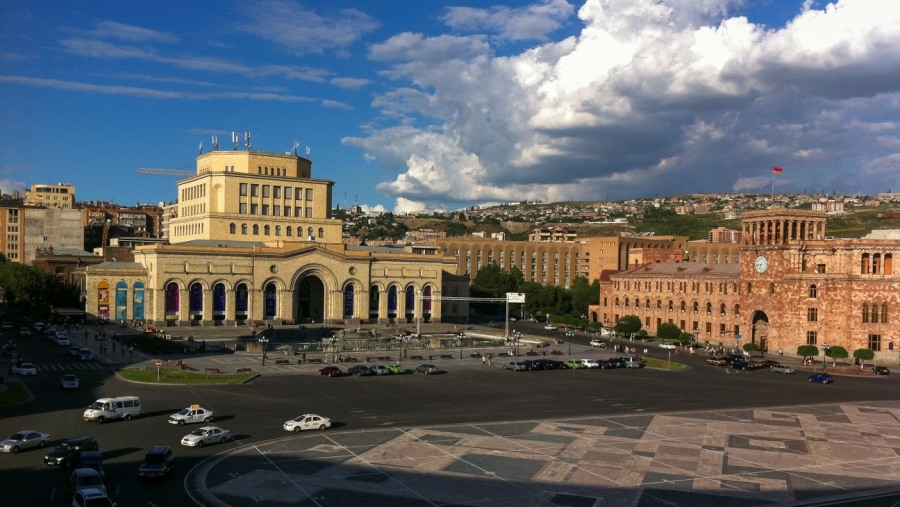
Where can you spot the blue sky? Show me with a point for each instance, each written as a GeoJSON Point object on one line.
{"type": "Point", "coordinates": [411, 105]}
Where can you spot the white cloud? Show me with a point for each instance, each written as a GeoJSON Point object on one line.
{"type": "Point", "coordinates": [532, 22]}
{"type": "Point", "coordinates": [651, 97]}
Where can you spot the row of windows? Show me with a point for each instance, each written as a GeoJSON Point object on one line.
{"type": "Point", "coordinates": [193, 192]}
{"type": "Point", "coordinates": [276, 191]}
{"type": "Point", "coordinates": [275, 210]}
{"type": "Point", "coordinates": [681, 287]}
{"type": "Point", "coordinates": [876, 264]}
{"type": "Point", "coordinates": [871, 315]}
{"type": "Point", "coordinates": [270, 171]}
{"type": "Point", "coordinates": [267, 230]}
{"type": "Point", "coordinates": [695, 307]}
{"type": "Point", "coordinates": [873, 341]}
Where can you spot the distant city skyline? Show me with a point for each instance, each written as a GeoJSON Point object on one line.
{"type": "Point", "coordinates": [446, 105]}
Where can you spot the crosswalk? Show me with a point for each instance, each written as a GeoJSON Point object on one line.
{"type": "Point", "coordinates": [87, 365]}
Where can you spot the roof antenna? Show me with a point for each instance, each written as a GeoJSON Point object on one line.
{"type": "Point", "coordinates": [200, 147]}
{"type": "Point", "coordinates": [247, 141]}
{"type": "Point", "coordinates": [234, 139]}
{"type": "Point", "coordinates": [296, 147]}
{"type": "Point", "coordinates": [215, 143]}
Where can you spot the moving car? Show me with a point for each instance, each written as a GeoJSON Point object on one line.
{"type": "Point", "coordinates": [427, 368]}
{"type": "Point", "coordinates": [206, 435]}
{"type": "Point", "coordinates": [69, 381]}
{"type": "Point", "coordinates": [67, 453]}
{"type": "Point", "coordinates": [24, 368]}
{"type": "Point", "coordinates": [91, 498]}
{"type": "Point", "coordinates": [516, 366]}
{"type": "Point", "coordinates": [192, 414]}
{"type": "Point", "coordinates": [717, 361]}
{"type": "Point", "coordinates": [781, 368]}
{"type": "Point", "coordinates": [597, 343]}
{"type": "Point", "coordinates": [590, 363]}
{"type": "Point", "coordinates": [73, 350]}
{"type": "Point", "coordinates": [157, 463]}
{"type": "Point", "coordinates": [881, 370]}
{"type": "Point", "coordinates": [670, 346]}
{"type": "Point", "coordinates": [331, 371]}
{"type": "Point", "coordinates": [307, 422]}
{"type": "Point", "coordinates": [91, 459]}
{"type": "Point", "coordinates": [85, 354]}
{"type": "Point", "coordinates": [821, 378]}
{"type": "Point", "coordinates": [550, 327]}
{"type": "Point", "coordinates": [360, 370]}
{"type": "Point", "coordinates": [6, 325]}
{"type": "Point", "coordinates": [63, 340]}
{"type": "Point", "coordinates": [24, 331]}
{"type": "Point", "coordinates": [120, 407]}
{"type": "Point", "coordinates": [25, 439]}
{"type": "Point", "coordinates": [86, 478]}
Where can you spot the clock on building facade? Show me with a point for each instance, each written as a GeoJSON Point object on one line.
{"type": "Point", "coordinates": [761, 264]}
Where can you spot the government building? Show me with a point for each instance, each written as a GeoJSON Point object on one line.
{"type": "Point", "coordinates": [793, 285]}
{"type": "Point", "coordinates": [253, 241]}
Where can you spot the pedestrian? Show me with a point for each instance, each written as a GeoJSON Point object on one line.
{"type": "Point", "coordinates": [483, 360]}
{"type": "Point", "coordinates": [490, 358]}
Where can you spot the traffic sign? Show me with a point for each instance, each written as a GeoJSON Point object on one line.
{"type": "Point", "coordinates": [158, 363]}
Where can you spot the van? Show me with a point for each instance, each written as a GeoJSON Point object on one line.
{"type": "Point", "coordinates": [631, 361]}
{"type": "Point", "coordinates": [121, 407]}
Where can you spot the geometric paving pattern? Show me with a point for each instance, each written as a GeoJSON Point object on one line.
{"type": "Point", "coordinates": [800, 455]}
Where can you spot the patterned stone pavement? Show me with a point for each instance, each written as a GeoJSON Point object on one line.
{"type": "Point", "coordinates": [800, 455]}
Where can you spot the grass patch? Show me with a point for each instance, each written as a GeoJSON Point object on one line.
{"type": "Point", "coordinates": [662, 364]}
{"type": "Point", "coordinates": [14, 393]}
{"type": "Point", "coordinates": [170, 376]}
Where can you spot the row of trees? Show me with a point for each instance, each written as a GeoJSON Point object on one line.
{"type": "Point", "coordinates": [31, 292]}
{"type": "Point", "coordinates": [565, 305]}
{"type": "Point", "coordinates": [835, 352]}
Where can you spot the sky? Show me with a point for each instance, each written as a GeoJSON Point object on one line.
{"type": "Point", "coordinates": [440, 105]}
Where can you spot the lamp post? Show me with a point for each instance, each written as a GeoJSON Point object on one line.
{"type": "Point", "coordinates": [418, 313]}
{"type": "Point", "coordinates": [825, 348]}
{"type": "Point", "coordinates": [264, 342]}
{"type": "Point", "coordinates": [334, 354]}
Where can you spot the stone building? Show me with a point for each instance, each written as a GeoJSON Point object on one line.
{"type": "Point", "coordinates": [254, 241]}
{"type": "Point", "coordinates": [794, 285]}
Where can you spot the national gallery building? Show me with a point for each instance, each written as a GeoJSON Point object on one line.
{"type": "Point", "coordinates": [793, 285]}
{"type": "Point", "coordinates": [254, 241]}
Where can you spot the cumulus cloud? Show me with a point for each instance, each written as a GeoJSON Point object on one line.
{"type": "Point", "coordinates": [651, 97]}
{"type": "Point", "coordinates": [532, 22]}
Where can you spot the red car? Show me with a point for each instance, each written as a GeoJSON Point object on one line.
{"type": "Point", "coordinates": [331, 371]}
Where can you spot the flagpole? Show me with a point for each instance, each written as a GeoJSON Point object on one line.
{"type": "Point", "coordinates": [773, 188]}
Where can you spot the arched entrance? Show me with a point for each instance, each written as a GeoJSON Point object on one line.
{"type": "Point", "coordinates": [309, 300]}
{"type": "Point", "coordinates": [759, 325]}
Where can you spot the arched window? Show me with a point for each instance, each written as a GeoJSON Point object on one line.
{"type": "Point", "coordinates": [278, 230]}
{"type": "Point", "coordinates": [137, 301]}
{"type": "Point", "coordinates": [244, 229]}
{"type": "Point", "coordinates": [289, 231]}
{"type": "Point", "coordinates": [708, 308]}
{"type": "Point", "coordinates": [232, 228]}
{"type": "Point", "coordinates": [321, 233]}
{"type": "Point", "coordinates": [671, 306]}
{"type": "Point", "coordinates": [737, 310]}
{"type": "Point", "coordinates": [696, 307]}
{"type": "Point", "coordinates": [121, 311]}
{"type": "Point", "coordinates": [865, 313]}
{"type": "Point", "coordinates": [722, 309]}
{"type": "Point", "coordinates": [349, 301]}
{"type": "Point", "coordinates": [683, 307]}
{"type": "Point", "coordinates": [813, 291]}
{"type": "Point", "coordinates": [392, 302]}
{"type": "Point", "coordinates": [173, 301]}
{"type": "Point", "coordinates": [874, 314]}
{"type": "Point", "coordinates": [373, 302]}
{"type": "Point", "coordinates": [219, 300]}
{"type": "Point", "coordinates": [255, 230]}
{"type": "Point", "coordinates": [884, 313]}
{"type": "Point", "coordinates": [195, 301]}
{"type": "Point", "coordinates": [266, 230]}
{"type": "Point", "coordinates": [309, 233]}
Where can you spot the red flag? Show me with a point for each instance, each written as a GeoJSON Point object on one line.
{"type": "Point", "coordinates": [777, 169]}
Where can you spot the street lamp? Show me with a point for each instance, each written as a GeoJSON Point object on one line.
{"type": "Point", "coordinates": [263, 341]}
{"type": "Point", "coordinates": [825, 348]}
{"type": "Point", "coordinates": [334, 354]}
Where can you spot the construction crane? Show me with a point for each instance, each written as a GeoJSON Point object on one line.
{"type": "Point", "coordinates": [164, 172]}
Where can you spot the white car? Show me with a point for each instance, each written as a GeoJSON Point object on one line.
{"type": "Point", "coordinates": [670, 346]}
{"type": "Point", "coordinates": [597, 343]}
{"type": "Point", "coordinates": [192, 414]}
{"type": "Point", "coordinates": [24, 368]}
{"type": "Point", "coordinates": [63, 341]}
{"type": "Point", "coordinates": [307, 422]}
{"type": "Point", "coordinates": [550, 327]}
{"type": "Point", "coordinates": [69, 381]}
{"type": "Point", "coordinates": [25, 439]}
{"type": "Point", "coordinates": [206, 435]}
{"type": "Point", "coordinates": [589, 363]}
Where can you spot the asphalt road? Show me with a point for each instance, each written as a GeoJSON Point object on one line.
{"type": "Point", "coordinates": [467, 392]}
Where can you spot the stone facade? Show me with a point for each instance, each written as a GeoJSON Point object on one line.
{"type": "Point", "coordinates": [793, 286]}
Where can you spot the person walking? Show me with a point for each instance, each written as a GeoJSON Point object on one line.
{"type": "Point", "coordinates": [490, 358]}
{"type": "Point", "coordinates": [483, 360]}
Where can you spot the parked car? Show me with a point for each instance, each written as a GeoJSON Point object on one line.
{"type": "Point", "coordinates": [24, 368]}
{"type": "Point", "coordinates": [85, 354]}
{"type": "Point", "coordinates": [63, 341]}
{"type": "Point", "coordinates": [67, 453]}
{"type": "Point", "coordinates": [25, 439]}
{"type": "Point", "coordinates": [396, 368]}
{"type": "Point", "coordinates": [86, 478]}
{"type": "Point", "coordinates": [590, 363]}
{"type": "Point", "coordinates": [670, 346]}
{"type": "Point", "coordinates": [821, 378]}
{"type": "Point", "coordinates": [360, 370]}
{"type": "Point", "coordinates": [550, 327]}
{"type": "Point", "coordinates": [307, 422]}
{"type": "Point", "coordinates": [6, 325]}
{"type": "Point", "coordinates": [91, 498]}
{"type": "Point", "coordinates": [717, 361]}
{"type": "Point", "coordinates": [781, 368]}
{"type": "Point", "coordinates": [881, 370]}
{"type": "Point", "coordinates": [206, 435]}
{"type": "Point", "coordinates": [516, 366]}
{"type": "Point", "coordinates": [548, 364]}
{"type": "Point", "coordinates": [427, 368]}
{"type": "Point", "coordinates": [575, 364]}
{"type": "Point", "coordinates": [331, 371]}
{"type": "Point", "coordinates": [613, 363]}
{"type": "Point", "coordinates": [91, 459]}
{"type": "Point", "coordinates": [157, 464]}
{"type": "Point", "coordinates": [69, 381]}
{"type": "Point", "coordinates": [192, 414]}
{"type": "Point", "coordinates": [380, 369]}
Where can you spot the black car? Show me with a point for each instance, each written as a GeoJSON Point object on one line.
{"type": "Point", "coordinates": [360, 370]}
{"type": "Point", "coordinates": [881, 370]}
{"type": "Point", "coordinates": [615, 362]}
{"type": "Point", "coordinates": [67, 453]}
{"type": "Point", "coordinates": [157, 463]}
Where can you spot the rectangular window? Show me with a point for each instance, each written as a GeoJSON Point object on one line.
{"type": "Point", "coordinates": [276, 210]}
{"type": "Point", "coordinates": [298, 212]}
{"type": "Point", "coordinates": [812, 314]}
{"type": "Point", "coordinates": [309, 213]}
{"type": "Point", "coordinates": [309, 194]}
{"type": "Point", "coordinates": [875, 342]}
{"type": "Point", "coordinates": [243, 189]}
{"type": "Point", "coordinates": [243, 208]}
{"type": "Point", "coordinates": [287, 211]}
{"type": "Point", "coordinates": [265, 191]}
{"type": "Point", "coordinates": [254, 190]}
{"type": "Point", "coordinates": [812, 337]}
{"type": "Point", "coordinates": [288, 193]}
{"type": "Point", "coordinates": [276, 192]}
{"type": "Point", "coordinates": [265, 209]}
{"type": "Point", "coordinates": [254, 209]}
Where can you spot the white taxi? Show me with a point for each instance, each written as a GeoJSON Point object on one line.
{"type": "Point", "coordinates": [192, 414]}
{"type": "Point", "coordinates": [307, 422]}
{"type": "Point", "coordinates": [206, 435]}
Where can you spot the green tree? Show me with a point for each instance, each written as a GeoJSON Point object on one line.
{"type": "Point", "coordinates": [836, 352]}
{"type": "Point", "coordinates": [668, 331]}
{"type": "Point", "coordinates": [864, 355]}
{"type": "Point", "coordinates": [750, 347]}
{"type": "Point", "coordinates": [806, 351]}
{"type": "Point", "coordinates": [628, 324]}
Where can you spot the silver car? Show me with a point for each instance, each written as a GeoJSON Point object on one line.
{"type": "Point", "coordinates": [781, 368]}
{"type": "Point", "coordinates": [25, 439]}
